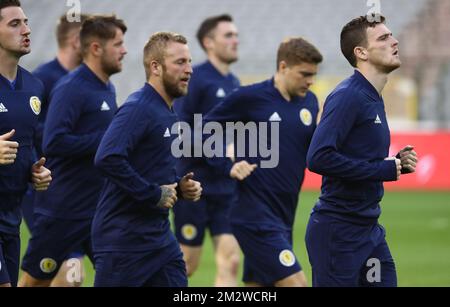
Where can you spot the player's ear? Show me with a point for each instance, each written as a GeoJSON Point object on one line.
{"type": "Point", "coordinates": [75, 41]}
{"type": "Point", "coordinates": [155, 68]}
{"type": "Point", "coordinates": [361, 53]}
{"type": "Point", "coordinates": [282, 66]}
{"type": "Point", "coordinates": [208, 43]}
{"type": "Point", "coordinates": [96, 49]}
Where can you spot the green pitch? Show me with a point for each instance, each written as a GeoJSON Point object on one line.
{"type": "Point", "coordinates": [418, 232]}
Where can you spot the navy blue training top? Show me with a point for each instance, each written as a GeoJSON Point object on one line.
{"type": "Point", "coordinates": [135, 156]}
{"type": "Point", "coordinates": [349, 148]}
{"type": "Point", "coordinates": [20, 106]}
{"type": "Point", "coordinates": [81, 109]}
{"type": "Point", "coordinates": [49, 73]}
{"type": "Point", "coordinates": [207, 88]}
{"type": "Point", "coordinates": [268, 197]}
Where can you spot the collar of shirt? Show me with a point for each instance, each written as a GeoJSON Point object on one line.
{"type": "Point", "coordinates": [90, 75]}
{"type": "Point", "coordinates": [15, 84]}
{"type": "Point", "coordinates": [370, 89]}
{"type": "Point", "coordinates": [272, 88]}
{"type": "Point", "coordinates": [212, 68]}
{"type": "Point", "coordinates": [153, 93]}
{"type": "Point", "coordinates": [59, 66]}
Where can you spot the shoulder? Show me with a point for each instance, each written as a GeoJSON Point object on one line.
{"type": "Point", "coordinates": [71, 85]}
{"type": "Point", "coordinates": [348, 92]}
{"type": "Point", "coordinates": [254, 89]}
{"type": "Point", "coordinates": [44, 68]}
{"type": "Point", "coordinates": [141, 100]}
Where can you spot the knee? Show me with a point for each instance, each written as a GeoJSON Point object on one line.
{"type": "Point", "coordinates": [303, 283]}
{"type": "Point", "coordinates": [191, 266]}
{"type": "Point", "coordinates": [234, 261]}
{"type": "Point", "coordinates": [229, 261]}
{"type": "Point", "coordinates": [28, 281]}
{"type": "Point", "coordinates": [70, 274]}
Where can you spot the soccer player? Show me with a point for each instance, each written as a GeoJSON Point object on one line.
{"type": "Point", "coordinates": [263, 218]}
{"type": "Point", "coordinates": [210, 83]}
{"type": "Point", "coordinates": [350, 149]}
{"type": "Point", "coordinates": [82, 106]}
{"type": "Point", "coordinates": [132, 240]}
{"type": "Point", "coordinates": [20, 105]}
{"type": "Point", "coordinates": [67, 59]}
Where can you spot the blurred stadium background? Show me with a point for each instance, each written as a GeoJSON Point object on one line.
{"type": "Point", "coordinates": [417, 214]}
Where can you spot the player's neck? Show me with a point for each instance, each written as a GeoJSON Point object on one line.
{"type": "Point", "coordinates": [223, 68]}
{"type": "Point", "coordinates": [159, 88]}
{"type": "Point", "coordinates": [8, 66]}
{"type": "Point", "coordinates": [67, 59]}
{"type": "Point", "coordinates": [96, 68]}
{"type": "Point", "coordinates": [374, 76]}
{"type": "Point", "coordinates": [279, 85]}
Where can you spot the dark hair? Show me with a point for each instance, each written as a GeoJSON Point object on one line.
{"type": "Point", "coordinates": [8, 3]}
{"type": "Point", "coordinates": [101, 27]}
{"type": "Point", "coordinates": [209, 24]}
{"type": "Point", "coordinates": [155, 48]}
{"type": "Point", "coordinates": [65, 26]}
{"type": "Point", "coordinates": [297, 50]}
{"type": "Point", "coordinates": [354, 34]}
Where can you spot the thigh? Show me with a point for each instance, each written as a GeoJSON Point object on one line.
{"type": "Point", "coordinates": [28, 208]}
{"type": "Point", "coordinates": [219, 211]}
{"type": "Point", "coordinates": [268, 255]}
{"type": "Point", "coordinates": [51, 243]}
{"type": "Point", "coordinates": [171, 269]}
{"type": "Point", "coordinates": [9, 259]}
{"type": "Point", "coordinates": [379, 269]}
{"type": "Point", "coordinates": [172, 274]}
{"type": "Point", "coordinates": [190, 220]}
{"type": "Point", "coordinates": [118, 269]}
{"type": "Point", "coordinates": [337, 251]}
{"type": "Point", "coordinates": [163, 267]}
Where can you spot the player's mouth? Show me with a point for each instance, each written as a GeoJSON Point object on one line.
{"type": "Point", "coordinates": [185, 81]}
{"type": "Point", "coordinates": [395, 52]}
{"type": "Point", "coordinates": [26, 42]}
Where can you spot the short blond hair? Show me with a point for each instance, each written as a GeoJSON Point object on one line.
{"type": "Point", "coordinates": [155, 48]}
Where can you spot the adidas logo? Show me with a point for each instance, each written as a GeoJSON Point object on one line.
{"type": "Point", "coordinates": [220, 93]}
{"type": "Point", "coordinates": [3, 109]}
{"type": "Point", "coordinates": [275, 117]}
{"type": "Point", "coordinates": [167, 133]}
{"type": "Point", "coordinates": [378, 120]}
{"type": "Point", "coordinates": [105, 107]}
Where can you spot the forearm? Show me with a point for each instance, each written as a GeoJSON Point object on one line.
{"type": "Point", "coordinates": [70, 145]}
{"type": "Point", "coordinates": [120, 172]}
{"type": "Point", "coordinates": [329, 162]}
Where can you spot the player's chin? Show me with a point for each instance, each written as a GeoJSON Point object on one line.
{"type": "Point", "coordinates": [24, 51]}
{"type": "Point", "coordinates": [302, 93]}
{"type": "Point", "coordinates": [183, 88]}
{"type": "Point", "coordinates": [183, 91]}
{"type": "Point", "coordinates": [232, 59]}
{"type": "Point", "coordinates": [393, 66]}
